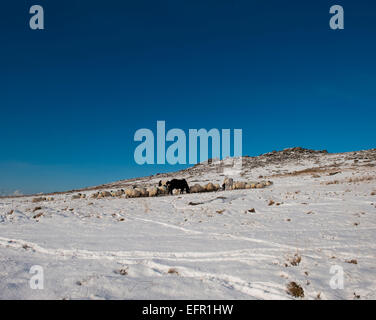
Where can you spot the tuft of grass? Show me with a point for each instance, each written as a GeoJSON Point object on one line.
{"type": "Point", "coordinates": [295, 290]}
{"type": "Point", "coordinates": [37, 208]}
{"type": "Point", "coordinates": [332, 182]}
{"type": "Point", "coordinates": [271, 202]}
{"type": "Point", "coordinates": [333, 173]}
{"type": "Point", "coordinates": [311, 171]}
{"type": "Point", "coordinates": [172, 271]}
{"type": "Point", "coordinates": [294, 261]}
{"type": "Point", "coordinates": [123, 272]}
{"type": "Point", "coordinates": [194, 203]}
{"type": "Point", "coordinates": [38, 215]}
{"type": "Point", "coordinates": [352, 180]}
{"type": "Point", "coordinates": [356, 296]}
{"type": "Point", "coordinates": [352, 261]}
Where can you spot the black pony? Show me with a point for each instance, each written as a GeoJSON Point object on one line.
{"type": "Point", "coordinates": [180, 184]}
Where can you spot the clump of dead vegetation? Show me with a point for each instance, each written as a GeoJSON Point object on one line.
{"type": "Point", "coordinates": [172, 271]}
{"type": "Point", "coordinates": [356, 296]}
{"type": "Point", "coordinates": [38, 215]}
{"type": "Point", "coordinates": [352, 261]}
{"type": "Point", "coordinates": [352, 180]}
{"type": "Point", "coordinates": [315, 171]}
{"type": "Point", "coordinates": [293, 261]}
{"type": "Point", "coordinates": [295, 290]}
{"type": "Point", "coordinates": [123, 271]}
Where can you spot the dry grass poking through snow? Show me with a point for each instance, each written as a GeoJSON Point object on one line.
{"type": "Point", "coordinates": [352, 180]}
{"type": "Point", "coordinates": [294, 261]}
{"type": "Point", "coordinates": [312, 171]}
{"type": "Point", "coordinates": [172, 271]}
{"type": "Point", "coordinates": [295, 290]}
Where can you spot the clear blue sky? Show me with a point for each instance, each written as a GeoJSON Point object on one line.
{"type": "Point", "coordinates": [72, 95]}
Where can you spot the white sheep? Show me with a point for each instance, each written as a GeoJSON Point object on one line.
{"type": "Point", "coordinates": [228, 183]}
{"type": "Point", "coordinates": [209, 187]}
{"type": "Point", "coordinates": [162, 183]}
{"type": "Point", "coordinates": [152, 191]}
{"type": "Point", "coordinates": [197, 189]}
{"type": "Point", "coordinates": [132, 193]}
{"type": "Point", "coordinates": [143, 192]}
{"type": "Point", "coordinates": [239, 185]}
{"type": "Point", "coordinates": [162, 190]}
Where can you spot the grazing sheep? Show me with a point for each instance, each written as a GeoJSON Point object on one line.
{"type": "Point", "coordinates": [105, 194]}
{"type": "Point", "coordinates": [239, 185]}
{"type": "Point", "coordinates": [209, 187]}
{"type": "Point", "coordinates": [118, 193]}
{"type": "Point", "coordinates": [143, 192]}
{"type": "Point", "coordinates": [180, 184]}
{"type": "Point", "coordinates": [152, 191]}
{"type": "Point", "coordinates": [162, 190]}
{"type": "Point", "coordinates": [76, 196]}
{"type": "Point", "coordinates": [162, 183]}
{"type": "Point", "coordinates": [197, 189]}
{"type": "Point", "coordinates": [132, 193]}
{"type": "Point", "coordinates": [136, 193]}
{"type": "Point", "coordinates": [227, 184]}
{"type": "Point", "coordinates": [128, 192]}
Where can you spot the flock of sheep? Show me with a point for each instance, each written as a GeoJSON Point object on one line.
{"type": "Point", "coordinates": [164, 188]}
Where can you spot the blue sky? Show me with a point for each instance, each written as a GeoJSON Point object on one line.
{"type": "Point", "coordinates": [73, 95]}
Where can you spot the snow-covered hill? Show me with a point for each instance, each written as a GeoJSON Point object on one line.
{"type": "Point", "coordinates": [241, 244]}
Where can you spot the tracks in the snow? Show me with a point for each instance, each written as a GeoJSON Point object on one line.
{"type": "Point", "coordinates": [163, 261]}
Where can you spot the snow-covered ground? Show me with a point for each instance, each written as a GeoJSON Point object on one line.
{"type": "Point", "coordinates": [207, 245]}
